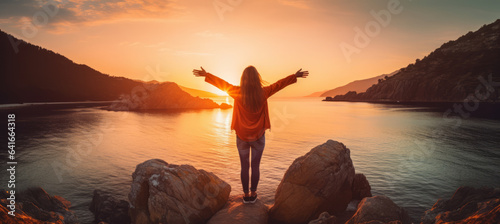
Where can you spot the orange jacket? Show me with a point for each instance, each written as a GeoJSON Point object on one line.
{"type": "Point", "coordinates": [249, 126]}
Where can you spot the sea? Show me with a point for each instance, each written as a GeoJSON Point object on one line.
{"type": "Point", "coordinates": [413, 154]}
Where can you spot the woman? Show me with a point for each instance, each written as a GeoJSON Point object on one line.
{"type": "Point", "coordinates": [250, 118]}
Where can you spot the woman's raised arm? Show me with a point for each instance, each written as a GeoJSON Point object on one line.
{"type": "Point", "coordinates": [199, 73]}
{"type": "Point", "coordinates": [300, 73]}
{"type": "Point", "coordinates": [216, 81]}
{"type": "Point", "coordinates": [282, 83]}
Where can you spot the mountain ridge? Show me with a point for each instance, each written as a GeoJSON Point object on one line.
{"type": "Point", "coordinates": [360, 85]}
{"type": "Point", "coordinates": [451, 73]}
{"type": "Point", "coordinates": [31, 74]}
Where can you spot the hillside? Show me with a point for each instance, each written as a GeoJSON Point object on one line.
{"type": "Point", "coordinates": [31, 73]}
{"type": "Point", "coordinates": [35, 74]}
{"type": "Point", "coordinates": [316, 94]}
{"type": "Point", "coordinates": [358, 86]}
{"type": "Point", "coordinates": [197, 92]}
{"type": "Point", "coordinates": [449, 74]}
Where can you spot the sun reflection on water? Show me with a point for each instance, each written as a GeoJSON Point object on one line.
{"type": "Point", "coordinates": [222, 126]}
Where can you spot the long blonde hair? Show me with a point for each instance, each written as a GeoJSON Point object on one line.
{"type": "Point", "coordinates": [251, 89]}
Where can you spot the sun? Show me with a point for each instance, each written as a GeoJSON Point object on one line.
{"type": "Point", "coordinates": [220, 92]}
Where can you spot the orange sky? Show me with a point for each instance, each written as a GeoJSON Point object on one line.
{"type": "Point", "coordinates": [126, 37]}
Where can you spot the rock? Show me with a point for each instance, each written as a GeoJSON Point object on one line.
{"type": "Point", "coordinates": [316, 182]}
{"type": "Point", "coordinates": [37, 213]}
{"type": "Point", "coordinates": [108, 209]}
{"type": "Point", "coordinates": [160, 96]}
{"type": "Point", "coordinates": [20, 217]}
{"type": "Point", "coordinates": [467, 205]}
{"type": "Point", "coordinates": [35, 205]}
{"type": "Point", "coordinates": [225, 106]}
{"type": "Point", "coordinates": [235, 211]}
{"type": "Point", "coordinates": [167, 193]}
{"type": "Point", "coordinates": [324, 218]}
{"type": "Point", "coordinates": [379, 209]}
{"type": "Point", "coordinates": [344, 216]}
{"type": "Point", "coordinates": [360, 187]}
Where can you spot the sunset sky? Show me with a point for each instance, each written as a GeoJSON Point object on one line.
{"type": "Point", "coordinates": [126, 37]}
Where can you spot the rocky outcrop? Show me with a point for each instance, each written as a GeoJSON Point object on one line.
{"type": "Point", "coordinates": [35, 205]}
{"type": "Point", "coordinates": [379, 209]}
{"type": "Point", "coordinates": [108, 209]}
{"type": "Point", "coordinates": [467, 205]}
{"type": "Point", "coordinates": [360, 187]}
{"type": "Point", "coordinates": [167, 193]}
{"type": "Point", "coordinates": [324, 218]}
{"type": "Point", "coordinates": [160, 96]}
{"type": "Point", "coordinates": [317, 182]}
{"type": "Point", "coordinates": [235, 211]}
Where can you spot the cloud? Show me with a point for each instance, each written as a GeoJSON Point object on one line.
{"type": "Point", "coordinates": [12, 8]}
{"type": "Point", "coordinates": [62, 14]}
{"type": "Point", "coordinates": [122, 9]}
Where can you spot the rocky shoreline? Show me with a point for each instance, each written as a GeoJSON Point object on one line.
{"type": "Point", "coordinates": [489, 110]}
{"type": "Point", "coordinates": [319, 187]}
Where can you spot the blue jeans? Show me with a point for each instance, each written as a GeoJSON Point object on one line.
{"type": "Point", "coordinates": [257, 148]}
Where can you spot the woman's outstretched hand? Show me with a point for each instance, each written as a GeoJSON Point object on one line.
{"type": "Point", "coordinates": [301, 74]}
{"type": "Point", "coordinates": [199, 73]}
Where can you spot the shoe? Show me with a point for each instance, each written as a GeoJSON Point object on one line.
{"type": "Point", "coordinates": [247, 200]}
{"type": "Point", "coordinates": [253, 199]}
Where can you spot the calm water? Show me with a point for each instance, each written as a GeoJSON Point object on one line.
{"type": "Point", "coordinates": [409, 154]}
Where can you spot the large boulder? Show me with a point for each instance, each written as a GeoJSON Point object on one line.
{"type": "Point", "coordinates": [467, 205]}
{"type": "Point", "coordinates": [236, 211]}
{"type": "Point", "coordinates": [379, 209]}
{"type": "Point", "coordinates": [167, 193]}
{"type": "Point", "coordinates": [316, 182]}
{"type": "Point", "coordinates": [108, 209]}
{"type": "Point", "coordinates": [35, 205]}
{"type": "Point", "coordinates": [360, 187]}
